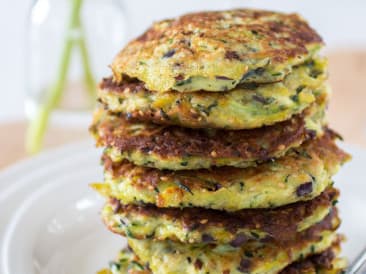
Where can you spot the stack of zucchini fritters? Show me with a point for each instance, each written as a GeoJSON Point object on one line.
{"type": "Point", "coordinates": [217, 154]}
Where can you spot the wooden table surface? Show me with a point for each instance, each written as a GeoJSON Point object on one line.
{"type": "Point", "coordinates": [347, 110]}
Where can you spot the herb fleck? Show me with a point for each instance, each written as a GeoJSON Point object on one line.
{"type": "Point", "coordinates": [287, 177]}
{"type": "Point", "coordinates": [315, 73]}
{"type": "Point", "coordinates": [184, 187]}
{"type": "Point", "coordinates": [213, 105]}
{"type": "Point", "coordinates": [299, 89]}
{"type": "Point", "coordinates": [254, 234]}
{"type": "Point", "coordinates": [277, 74]}
{"type": "Point", "coordinates": [295, 97]}
{"type": "Point", "coordinates": [183, 82]}
{"type": "Point", "coordinates": [248, 253]}
{"type": "Point", "coordinates": [231, 55]}
{"type": "Point", "coordinates": [129, 233]}
{"type": "Point", "coordinates": [114, 266]}
{"type": "Point", "coordinates": [259, 71]}
{"type": "Point", "coordinates": [250, 86]}
{"type": "Point", "coordinates": [164, 115]}
{"type": "Point", "coordinates": [263, 100]}
{"type": "Point", "coordinates": [135, 264]}
{"type": "Point", "coordinates": [312, 248]}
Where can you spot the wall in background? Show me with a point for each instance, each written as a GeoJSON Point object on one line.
{"type": "Point", "coordinates": [341, 23]}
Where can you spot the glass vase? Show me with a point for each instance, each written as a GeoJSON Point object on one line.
{"type": "Point", "coordinates": [70, 45]}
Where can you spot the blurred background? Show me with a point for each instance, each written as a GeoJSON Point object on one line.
{"type": "Point", "coordinates": [38, 36]}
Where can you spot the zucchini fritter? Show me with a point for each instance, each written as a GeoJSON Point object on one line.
{"type": "Point", "coordinates": [216, 51]}
{"type": "Point", "coordinates": [177, 148]}
{"type": "Point", "coordinates": [247, 106]}
{"type": "Point", "coordinates": [254, 257]}
{"type": "Point", "coordinates": [197, 225]}
{"type": "Point", "coordinates": [327, 262]}
{"type": "Point", "coordinates": [302, 174]}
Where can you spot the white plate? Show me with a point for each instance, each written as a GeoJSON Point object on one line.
{"type": "Point", "coordinates": [49, 219]}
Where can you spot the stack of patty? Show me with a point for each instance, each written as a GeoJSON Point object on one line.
{"type": "Point", "coordinates": [218, 158]}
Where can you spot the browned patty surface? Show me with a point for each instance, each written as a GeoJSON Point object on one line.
{"type": "Point", "coordinates": [281, 223]}
{"type": "Point", "coordinates": [315, 262]}
{"type": "Point", "coordinates": [223, 43]}
{"type": "Point", "coordinates": [258, 144]}
{"type": "Point", "coordinates": [149, 178]}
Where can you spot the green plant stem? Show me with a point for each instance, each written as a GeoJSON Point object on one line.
{"type": "Point", "coordinates": [88, 74]}
{"type": "Point", "coordinates": [37, 126]}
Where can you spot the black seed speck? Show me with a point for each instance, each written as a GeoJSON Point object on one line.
{"type": "Point", "coordinates": [231, 55]}
{"type": "Point", "coordinates": [304, 189]}
{"type": "Point", "coordinates": [169, 53]}
{"type": "Point", "coordinates": [214, 187]}
{"type": "Point", "coordinates": [311, 133]}
{"type": "Point", "coordinates": [244, 265]}
{"type": "Point", "coordinates": [250, 86]}
{"type": "Point", "coordinates": [222, 78]}
{"type": "Point", "coordinates": [117, 205]}
{"type": "Point", "coordinates": [206, 238]}
{"type": "Point", "coordinates": [198, 264]}
{"type": "Point", "coordinates": [145, 149]}
{"type": "Point", "coordinates": [248, 253]}
{"type": "Point", "coordinates": [180, 77]}
{"type": "Point", "coordinates": [239, 240]}
{"type": "Point", "coordinates": [295, 98]}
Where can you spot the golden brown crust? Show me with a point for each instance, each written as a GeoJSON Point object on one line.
{"type": "Point", "coordinates": [247, 106]}
{"type": "Point", "coordinates": [323, 262]}
{"type": "Point", "coordinates": [324, 148]}
{"type": "Point", "coordinates": [302, 174]}
{"type": "Point", "coordinates": [225, 44]}
{"type": "Point", "coordinates": [312, 264]}
{"type": "Point", "coordinates": [280, 223]}
{"type": "Point", "coordinates": [166, 141]}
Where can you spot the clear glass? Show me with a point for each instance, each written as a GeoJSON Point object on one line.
{"type": "Point", "coordinates": [70, 58]}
